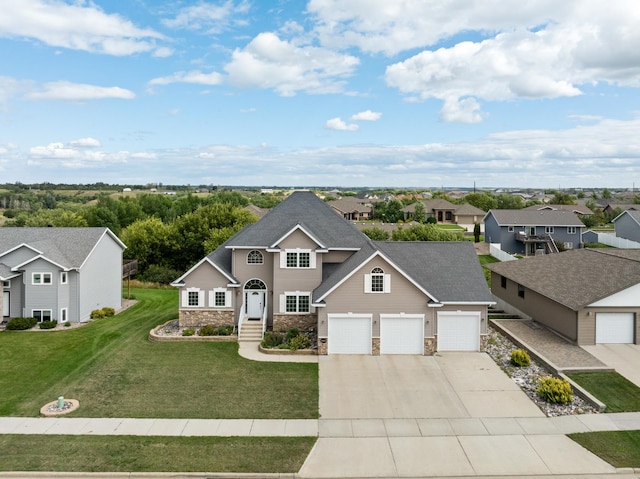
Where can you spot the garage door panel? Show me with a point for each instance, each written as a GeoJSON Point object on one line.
{"type": "Point", "coordinates": [401, 334]}
{"type": "Point", "coordinates": [349, 334]}
{"type": "Point", "coordinates": [614, 328]}
{"type": "Point", "coordinates": [459, 332]}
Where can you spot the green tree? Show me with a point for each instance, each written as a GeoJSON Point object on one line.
{"type": "Point", "coordinates": [485, 201]}
{"type": "Point", "coordinates": [476, 232]}
{"type": "Point", "coordinates": [150, 241]}
{"type": "Point", "coordinates": [427, 232]}
{"type": "Point", "coordinates": [606, 194]}
{"type": "Point", "coordinates": [563, 199]}
{"type": "Point", "coordinates": [420, 212]}
{"type": "Point", "coordinates": [56, 217]}
{"type": "Point", "coordinates": [102, 216]}
{"type": "Point", "coordinates": [155, 205]}
{"type": "Point", "coordinates": [128, 211]}
{"type": "Point", "coordinates": [376, 234]}
{"type": "Point", "coordinates": [510, 202]}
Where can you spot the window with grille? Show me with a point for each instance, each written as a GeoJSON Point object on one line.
{"type": "Point", "coordinates": [377, 280]}
{"type": "Point", "coordinates": [193, 298]}
{"type": "Point", "coordinates": [255, 257]}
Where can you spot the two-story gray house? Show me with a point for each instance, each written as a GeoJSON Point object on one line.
{"type": "Point", "coordinates": [528, 232]}
{"type": "Point", "coordinates": [627, 225]}
{"type": "Point", "coordinates": [59, 274]}
{"type": "Point", "coordinates": [304, 266]}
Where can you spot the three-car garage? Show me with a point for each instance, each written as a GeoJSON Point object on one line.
{"type": "Point", "coordinates": [402, 333]}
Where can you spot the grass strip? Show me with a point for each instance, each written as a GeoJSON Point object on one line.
{"type": "Point", "coordinates": [153, 453]}
{"type": "Point", "coordinates": [616, 391]}
{"type": "Point", "coordinates": [618, 448]}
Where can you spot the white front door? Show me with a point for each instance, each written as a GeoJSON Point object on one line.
{"type": "Point", "coordinates": [6, 311]}
{"type": "Point", "coordinates": [255, 302]}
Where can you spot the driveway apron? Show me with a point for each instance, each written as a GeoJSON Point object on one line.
{"type": "Point", "coordinates": [624, 358]}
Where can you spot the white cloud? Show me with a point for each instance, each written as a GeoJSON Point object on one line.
{"type": "Point", "coordinates": [63, 90]}
{"type": "Point", "coordinates": [211, 17]}
{"type": "Point", "coordinates": [195, 76]}
{"type": "Point", "coordinates": [77, 26]}
{"type": "Point", "coordinates": [85, 143]}
{"type": "Point", "coordinates": [271, 63]}
{"type": "Point", "coordinates": [366, 115]}
{"type": "Point", "coordinates": [340, 125]}
{"type": "Point", "coordinates": [466, 110]}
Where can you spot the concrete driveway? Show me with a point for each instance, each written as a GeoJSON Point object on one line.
{"type": "Point", "coordinates": [448, 385]}
{"type": "Point", "coordinates": [625, 358]}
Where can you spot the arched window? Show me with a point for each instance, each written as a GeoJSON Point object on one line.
{"type": "Point", "coordinates": [255, 257]}
{"type": "Point", "coordinates": [377, 280]}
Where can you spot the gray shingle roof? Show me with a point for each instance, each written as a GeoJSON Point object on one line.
{"type": "Point", "coordinates": [535, 218]}
{"type": "Point", "coordinates": [575, 278]}
{"type": "Point", "coordinates": [301, 207]}
{"type": "Point", "coordinates": [68, 247]}
{"type": "Point", "coordinates": [448, 271]}
{"type": "Point", "coordinates": [577, 209]}
{"type": "Point", "coordinates": [635, 214]}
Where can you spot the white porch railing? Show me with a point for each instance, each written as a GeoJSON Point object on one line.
{"type": "Point", "coordinates": [240, 318]}
{"type": "Point", "coordinates": [264, 315]}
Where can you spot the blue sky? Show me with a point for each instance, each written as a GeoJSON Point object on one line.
{"type": "Point", "coordinates": [403, 93]}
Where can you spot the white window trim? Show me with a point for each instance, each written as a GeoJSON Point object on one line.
{"type": "Point", "coordinates": [283, 258]}
{"type": "Point", "coordinates": [367, 284]}
{"type": "Point", "coordinates": [42, 276]}
{"type": "Point", "coordinates": [227, 297]}
{"type": "Point", "coordinates": [6, 283]}
{"type": "Point", "coordinates": [64, 277]}
{"type": "Point", "coordinates": [510, 229]}
{"type": "Point", "coordinates": [298, 294]}
{"type": "Point", "coordinates": [571, 230]}
{"type": "Point", "coordinates": [33, 315]}
{"type": "Point", "coordinates": [261, 257]}
{"type": "Point", "coordinates": [548, 230]}
{"type": "Point", "coordinates": [185, 297]}
{"type": "Point", "coordinates": [64, 315]}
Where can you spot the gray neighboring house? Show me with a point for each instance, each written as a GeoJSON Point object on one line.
{"type": "Point", "coordinates": [589, 296]}
{"type": "Point", "coordinates": [304, 266]}
{"type": "Point", "coordinates": [59, 273]}
{"type": "Point", "coordinates": [627, 225]}
{"type": "Point", "coordinates": [528, 232]}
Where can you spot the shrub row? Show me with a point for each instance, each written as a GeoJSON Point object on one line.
{"type": "Point", "coordinates": [20, 324]}
{"type": "Point", "coordinates": [102, 313]}
{"type": "Point", "coordinates": [292, 340]}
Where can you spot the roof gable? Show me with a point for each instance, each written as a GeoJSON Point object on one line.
{"type": "Point", "coordinates": [535, 218]}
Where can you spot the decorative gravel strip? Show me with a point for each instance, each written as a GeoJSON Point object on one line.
{"type": "Point", "coordinates": [499, 348]}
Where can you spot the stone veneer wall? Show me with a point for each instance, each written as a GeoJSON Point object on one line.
{"type": "Point", "coordinates": [375, 346]}
{"type": "Point", "coordinates": [323, 347]}
{"type": "Point", "coordinates": [195, 318]}
{"type": "Point", "coordinates": [430, 346]}
{"type": "Point", "coordinates": [484, 342]}
{"type": "Point", "coordinates": [304, 322]}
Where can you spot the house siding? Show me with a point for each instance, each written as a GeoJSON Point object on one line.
{"type": "Point", "coordinates": [101, 278]}
{"type": "Point", "coordinates": [627, 227]}
{"type": "Point", "coordinates": [41, 296]}
{"type": "Point", "coordinates": [290, 279]}
{"type": "Point", "coordinates": [587, 323]}
{"type": "Point", "coordinates": [538, 307]}
{"type": "Point", "coordinates": [18, 256]}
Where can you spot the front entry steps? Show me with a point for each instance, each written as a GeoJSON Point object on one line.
{"type": "Point", "coordinates": [250, 331]}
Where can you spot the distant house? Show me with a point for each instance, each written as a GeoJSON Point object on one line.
{"type": "Point", "coordinates": [445, 212]}
{"type": "Point", "coordinates": [589, 296]}
{"type": "Point", "coordinates": [530, 232]}
{"type": "Point", "coordinates": [580, 210]}
{"type": "Point", "coordinates": [303, 266]}
{"type": "Point", "coordinates": [352, 208]}
{"type": "Point", "coordinates": [627, 225]}
{"type": "Point", "coordinates": [611, 208]}
{"type": "Point", "coordinates": [59, 273]}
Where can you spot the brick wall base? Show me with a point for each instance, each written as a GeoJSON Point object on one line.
{"type": "Point", "coordinates": [304, 322]}
{"type": "Point", "coordinates": [197, 318]}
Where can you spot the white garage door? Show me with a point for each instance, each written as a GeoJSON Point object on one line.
{"type": "Point", "coordinates": [614, 328]}
{"type": "Point", "coordinates": [349, 333]}
{"type": "Point", "coordinates": [459, 331]}
{"type": "Point", "coordinates": [401, 334]}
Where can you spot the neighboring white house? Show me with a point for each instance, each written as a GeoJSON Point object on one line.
{"type": "Point", "coordinates": [59, 273]}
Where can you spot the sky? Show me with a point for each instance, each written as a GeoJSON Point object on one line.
{"type": "Point", "coordinates": [336, 93]}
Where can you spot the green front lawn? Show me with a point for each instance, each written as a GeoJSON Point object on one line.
{"type": "Point", "coordinates": [153, 453]}
{"type": "Point", "coordinates": [617, 392]}
{"type": "Point", "coordinates": [618, 448]}
{"type": "Point", "coordinates": [114, 371]}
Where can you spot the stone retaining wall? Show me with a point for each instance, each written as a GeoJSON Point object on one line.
{"type": "Point", "coordinates": [196, 318]}
{"type": "Point", "coordinates": [304, 322]}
